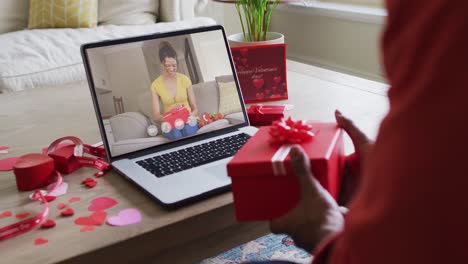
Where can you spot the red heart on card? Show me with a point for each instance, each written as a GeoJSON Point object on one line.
{"type": "Point", "coordinates": [68, 212]}
{"type": "Point", "coordinates": [48, 224]}
{"type": "Point", "coordinates": [267, 92]}
{"type": "Point", "coordinates": [87, 228]}
{"type": "Point", "coordinates": [102, 203]}
{"type": "Point", "coordinates": [274, 88]}
{"type": "Point", "coordinates": [22, 216]}
{"type": "Point", "coordinates": [60, 206]}
{"type": "Point", "coordinates": [258, 83]}
{"type": "Point", "coordinates": [277, 79]}
{"type": "Point", "coordinates": [244, 52]}
{"type": "Point", "coordinates": [74, 199]}
{"type": "Point", "coordinates": [6, 214]}
{"type": "Point", "coordinates": [244, 61]}
{"type": "Point", "coordinates": [259, 95]}
{"type": "Point", "coordinates": [40, 241]}
{"type": "Point", "coordinates": [96, 218]}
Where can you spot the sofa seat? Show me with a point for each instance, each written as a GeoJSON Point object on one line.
{"type": "Point", "coordinates": [45, 57]}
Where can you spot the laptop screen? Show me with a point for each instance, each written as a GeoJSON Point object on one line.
{"type": "Point", "coordinates": [159, 90]}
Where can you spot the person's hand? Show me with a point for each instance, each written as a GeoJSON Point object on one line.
{"type": "Point", "coordinates": [362, 146]}
{"type": "Point", "coordinates": [316, 216]}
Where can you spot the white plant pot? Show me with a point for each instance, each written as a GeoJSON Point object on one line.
{"type": "Point", "coordinates": [237, 40]}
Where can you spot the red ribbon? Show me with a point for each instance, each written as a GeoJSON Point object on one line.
{"type": "Point", "coordinates": [257, 109]}
{"type": "Point", "coordinates": [289, 131]}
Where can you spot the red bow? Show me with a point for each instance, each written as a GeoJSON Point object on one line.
{"type": "Point", "coordinates": [257, 109]}
{"type": "Point", "coordinates": [288, 131]}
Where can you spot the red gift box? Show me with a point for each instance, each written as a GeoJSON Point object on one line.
{"type": "Point", "coordinates": [261, 195]}
{"type": "Point", "coordinates": [261, 71]}
{"type": "Point", "coordinates": [176, 113]}
{"type": "Point", "coordinates": [264, 115]}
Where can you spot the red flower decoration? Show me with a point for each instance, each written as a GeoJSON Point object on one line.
{"type": "Point", "coordinates": [289, 131]}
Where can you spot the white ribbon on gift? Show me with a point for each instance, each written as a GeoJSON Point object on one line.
{"type": "Point", "coordinates": [278, 159]}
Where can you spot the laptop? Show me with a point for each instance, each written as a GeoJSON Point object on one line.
{"type": "Point", "coordinates": [146, 107]}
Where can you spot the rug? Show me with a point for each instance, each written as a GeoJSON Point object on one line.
{"type": "Point", "coordinates": [269, 247]}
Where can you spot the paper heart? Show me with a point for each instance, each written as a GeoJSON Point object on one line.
{"type": "Point", "coordinates": [49, 198]}
{"type": "Point", "coordinates": [4, 147]}
{"type": "Point", "coordinates": [244, 52]}
{"type": "Point", "coordinates": [60, 206]}
{"type": "Point", "coordinates": [277, 79]}
{"type": "Point", "coordinates": [74, 199]}
{"type": "Point", "coordinates": [68, 212]}
{"type": "Point", "coordinates": [258, 83]}
{"type": "Point", "coordinates": [99, 174]}
{"type": "Point", "coordinates": [22, 215]}
{"type": "Point", "coordinates": [40, 241]}
{"type": "Point", "coordinates": [267, 92]}
{"type": "Point", "coordinates": [125, 217]}
{"type": "Point", "coordinates": [87, 180]}
{"type": "Point", "coordinates": [48, 224]}
{"type": "Point", "coordinates": [87, 228]}
{"type": "Point", "coordinates": [91, 184]}
{"type": "Point", "coordinates": [7, 164]}
{"type": "Point", "coordinates": [62, 189]}
{"type": "Point", "coordinates": [102, 203]}
{"type": "Point", "coordinates": [96, 218]}
{"type": "Point", "coordinates": [6, 214]}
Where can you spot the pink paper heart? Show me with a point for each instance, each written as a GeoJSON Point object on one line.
{"type": "Point", "coordinates": [125, 217]}
{"type": "Point", "coordinates": [4, 147]}
{"type": "Point", "coordinates": [61, 190]}
{"type": "Point", "coordinates": [7, 164]}
{"type": "Point", "coordinates": [102, 203]}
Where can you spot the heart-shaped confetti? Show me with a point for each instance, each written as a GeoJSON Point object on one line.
{"type": "Point", "coordinates": [49, 198]}
{"type": "Point", "coordinates": [125, 217]}
{"type": "Point", "coordinates": [48, 224]}
{"type": "Point", "coordinates": [87, 228]}
{"type": "Point", "coordinates": [68, 212]}
{"type": "Point", "coordinates": [59, 191]}
{"type": "Point", "coordinates": [40, 241]}
{"type": "Point", "coordinates": [6, 214]}
{"type": "Point", "coordinates": [60, 206]}
{"type": "Point", "coordinates": [102, 203]}
{"type": "Point", "coordinates": [7, 164]}
{"type": "Point", "coordinates": [99, 174]}
{"type": "Point", "coordinates": [4, 147]}
{"type": "Point", "coordinates": [96, 218]}
{"type": "Point", "coordinates": [74, 199]}
{"type": "Point", "coordinates": [91, 184]}
{"type": "Point", "coordinates": [22, 215]}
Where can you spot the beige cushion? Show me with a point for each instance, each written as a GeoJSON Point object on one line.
{"type": "Point", "coordinates": [124, 12]}
{"type": "Point", "coordinates": [207, 96]}
{"type": "Point", "coordinates": [229, 101]}
{"type": "Point", "coordinates": [129, 125]}
{"type": "Point", "coordinates": [14, 15]}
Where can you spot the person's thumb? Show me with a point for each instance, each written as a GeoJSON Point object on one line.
{"type": "Point", "coordinates": [358, 138]}
{"type": "Point", "coordinates": [301, 167]}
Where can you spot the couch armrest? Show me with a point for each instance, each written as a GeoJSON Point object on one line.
{"type": "Point", "coordinates": [176, 10]}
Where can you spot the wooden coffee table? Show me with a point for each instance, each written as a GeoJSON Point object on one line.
{"type": "Point", "coordinates": [30, 120]}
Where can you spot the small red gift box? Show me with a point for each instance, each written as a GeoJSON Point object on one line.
{"type": "Point", "coordinates": [266, 188]}
{"type": "Point", "coordinates": [176, 113]}
{"type": "Point", "coordinates": [264, 115]}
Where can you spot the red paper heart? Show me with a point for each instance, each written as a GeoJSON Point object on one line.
{"type": "Point", "coordinates": [60, 206]}
{"type": "Point", "coordinates": [74, 199]}
{"type": "Point", "coordinates": [99, 174]}
{"type": "Point", "coordinates": [96, 218]}
{"type": "Point", "coordinates": [22, 216]}
{"type": "Point", "coordinates": [49, 198]}
{"type": "Point", "coordinates": [7, 164]}
{"type": "Point", "coordinates": [4, 148]}
{"type": "Point", "coordinates": [258, 83]}
{"type": "Point", "coordinates": [91, 184]}
{"type": "Point", "coordinates": [6, 214]}
{"type": "Point", "coordinates": [87, 180]}
{"type": "Point", "coordinates": [40, 241]}
{"type": "Point", "coordinates": [68, 212]}
{"type": "Point", "coordinates": [48, 224]}
{"type": "Point", "coordinates": [87, 228]}
{"type": "Point", "coordinates": [102, 203]}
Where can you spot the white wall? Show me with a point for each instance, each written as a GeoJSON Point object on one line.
{"type": "Point", "coordinates": [101, 80]}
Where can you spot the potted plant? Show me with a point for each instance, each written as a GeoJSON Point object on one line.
{"type": "Point", "coordinates": [255, 18]}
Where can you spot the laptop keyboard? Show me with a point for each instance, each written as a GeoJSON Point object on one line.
{"type": "Point", "coordinates": [194, 156]}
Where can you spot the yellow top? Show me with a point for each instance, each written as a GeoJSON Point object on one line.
{"type": "Point", "coordinates": [181, 97]}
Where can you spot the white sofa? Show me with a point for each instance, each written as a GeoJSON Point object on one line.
{"type": "Point", "coordinates": [45, 57]}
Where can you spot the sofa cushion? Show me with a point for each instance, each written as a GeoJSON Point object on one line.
{"type": "Point", "coordinates": [124, 12]}
{"type": "Point", "coordinates": [35, 58]}
{"type": "Point", "coordinates": [229, 101]}
{"type": "Point", "coordinates": [62, 13]}
{"type": "Point", "coordinates": [14, 15]}
{"type": "Point", "coordinates": [129, 125]}
{"type": "Point", "coordinates": [207, 96]}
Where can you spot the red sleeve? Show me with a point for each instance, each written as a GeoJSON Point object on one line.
{"type": "Point", "coordinates": [412, 205]}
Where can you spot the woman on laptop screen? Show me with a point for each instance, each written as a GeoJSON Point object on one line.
{"type": "Point", "coordinates": [174, 91]}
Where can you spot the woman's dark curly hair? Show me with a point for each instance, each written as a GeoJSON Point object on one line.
{"type": "Point", "coordinates": [166, 51]}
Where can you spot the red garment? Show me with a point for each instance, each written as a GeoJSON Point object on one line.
{"type": "Point", "coordinates": [412, 206]}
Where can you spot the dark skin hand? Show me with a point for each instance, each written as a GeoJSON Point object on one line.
{"type": "Point", "coordinates": [317, 214]}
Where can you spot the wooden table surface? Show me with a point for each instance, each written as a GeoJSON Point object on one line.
{"type": "Point", "coordinates": [30, 120]}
